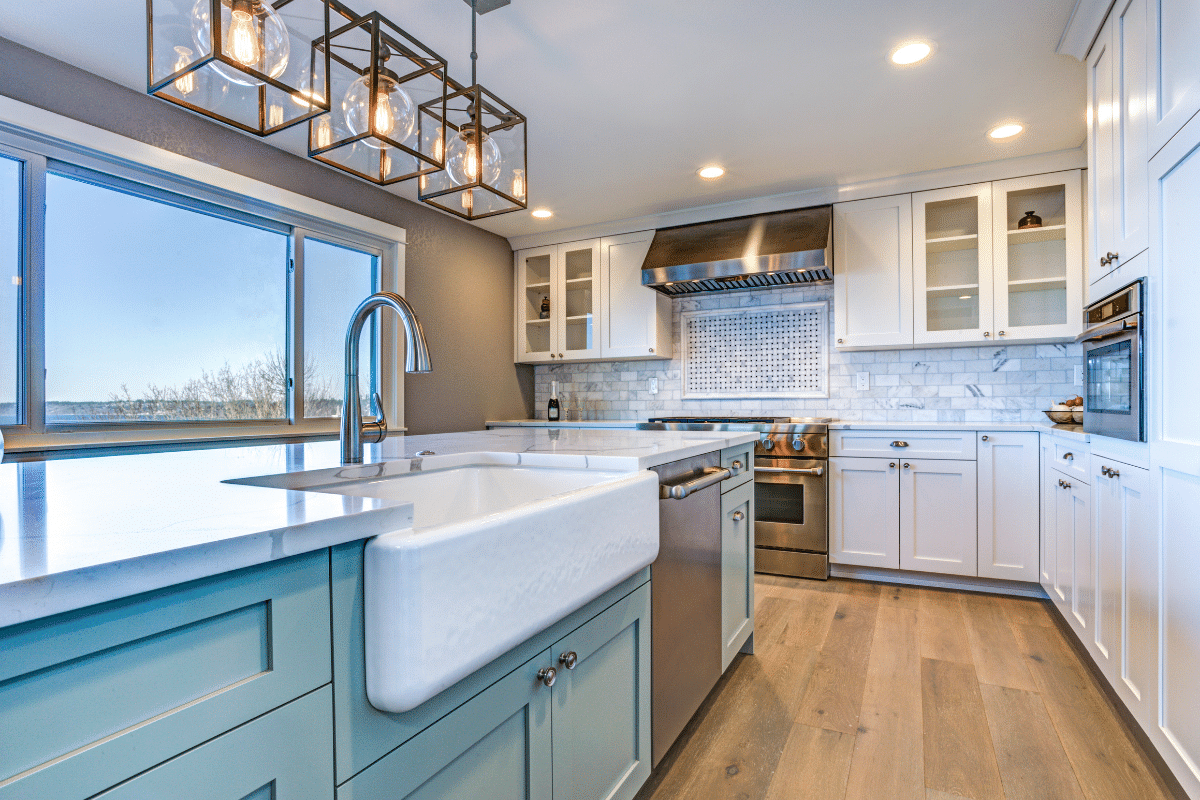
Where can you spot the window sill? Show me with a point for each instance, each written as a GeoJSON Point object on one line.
{"type": "Point", "coordinates": [110, 442]}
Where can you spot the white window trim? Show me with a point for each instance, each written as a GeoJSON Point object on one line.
{"type": "Point", "coordinates": [255, 197]}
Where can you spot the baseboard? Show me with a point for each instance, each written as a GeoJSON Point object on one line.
{"type": "Point", "coordinates": [962, 583]}
{"type": "Point", "coordinates": [1127, 718]}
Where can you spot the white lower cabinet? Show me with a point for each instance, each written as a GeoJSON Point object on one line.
{"type": "Point", "coordinates": [1126, 635]}
{"type": "Point", "coordinates": [864, 512]}
{"type": "Point", "coordinates": [1074, 582]}
{"type": "Point", "coordinates": [937, 516]}
{"type": "Point", "coordinates": [1009, 511]}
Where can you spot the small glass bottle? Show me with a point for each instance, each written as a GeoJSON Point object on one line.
{"type": "Point", "coordinates": [552, 412]}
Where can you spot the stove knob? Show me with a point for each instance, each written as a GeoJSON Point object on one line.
{"type": "Point", "coordinates": [798, 444]}
{"type": "Point", "coordinates": [768, 443]}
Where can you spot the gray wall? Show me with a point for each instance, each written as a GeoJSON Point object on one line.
{"type": "Point", "coordinates": [458, 277]}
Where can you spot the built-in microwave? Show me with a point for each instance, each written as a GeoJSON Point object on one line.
{"type": "Point", "coordinates": [1114, 399]}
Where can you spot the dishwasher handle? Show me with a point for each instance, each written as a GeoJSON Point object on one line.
{"type": "Point", "coordinates": [817, 471]}
{"type": "Point", "coordinates": [678, 491]}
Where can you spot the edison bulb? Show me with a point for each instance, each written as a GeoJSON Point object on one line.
{"type": "Point", "coordinates": [518, 187]}
{"type": "Point", "coordinates": [252, 34]}
{"type": "Point", "coordinates": [184, 84]}
{"type": "Point", "coordinates": [463, 157]}
{"type": "Point", "coordinates": [324, 132]}
{"type": "Point", "coordinates": [395, 114]}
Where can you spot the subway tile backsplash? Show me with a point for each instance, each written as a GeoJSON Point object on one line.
{"type": "Point", "coordinates": [990, 384]}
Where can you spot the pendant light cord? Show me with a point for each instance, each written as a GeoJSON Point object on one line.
{"type": "Point", "coordinates": [474, 55]}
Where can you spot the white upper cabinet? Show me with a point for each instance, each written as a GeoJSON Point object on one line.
{"type": "Point", "coordinates": [596, 306]}
{"type": "Point", "coordinates": [1117, 149]}
{"type": "Point", "coordinates": [952, 264]}
{"type": "Point", "coordinates": [1174, 69]}
{"type": "Point", "coordinates": [1038, 271]}
{"type": "Point", "coordinates": [873, 278]}
{"type": "Point", "coordinates": [637, 319]}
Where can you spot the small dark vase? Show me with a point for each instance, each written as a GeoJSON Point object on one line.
{"type": "Point", "coordinates": [545, 314]}
{"type": "Point", "coordinates": [1030, 220]}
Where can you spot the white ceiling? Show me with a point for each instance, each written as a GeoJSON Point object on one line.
{"type": "Point", "coordinates": [626, 99]}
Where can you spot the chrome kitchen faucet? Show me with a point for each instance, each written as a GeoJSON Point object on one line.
{"type": "Point", "coordinates": [416, 359]}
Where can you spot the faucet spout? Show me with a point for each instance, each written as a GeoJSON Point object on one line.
{"type": "Point", "coordinates": [416, 359]}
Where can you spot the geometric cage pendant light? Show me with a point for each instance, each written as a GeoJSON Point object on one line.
{"type": "Point", "coordinates": [263, 67]}
{"type": "Point", "coordinates": [388, 99]}
{"type": "Point", "coordinates": [486, 167]}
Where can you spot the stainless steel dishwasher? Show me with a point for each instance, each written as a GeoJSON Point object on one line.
{"type": "Point", "coordinates": [685, 626]}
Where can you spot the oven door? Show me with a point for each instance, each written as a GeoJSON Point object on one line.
{"type": "Point", "coordinates": [1113, 402]}
{"type": "Point", "coordinates": [790, 504]}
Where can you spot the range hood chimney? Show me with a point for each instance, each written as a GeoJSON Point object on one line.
{"type": "Point", "coordinates": [783, 248]}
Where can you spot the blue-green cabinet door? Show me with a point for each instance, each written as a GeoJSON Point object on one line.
{"type": "Point", "coordinates": [737, 570]}
{"type": "Point", "coordinates": [602, 704]}
{"type": "Point", "coordinates": [495, 746]}
{"type": "Point", "coordinates": [284, 755]}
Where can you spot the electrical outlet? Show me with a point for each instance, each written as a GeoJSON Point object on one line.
{"type": "Point", "coordinates": [864, 381]}
{"type": "Point", "coordinates": [1079, 374]}
{"type": "Point", "coordinates": [654, 386]}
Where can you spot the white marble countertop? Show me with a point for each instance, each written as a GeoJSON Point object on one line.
{"type": "Point", "coordinates": [627, 424]}
{"type": "Point", "coordinates": [80, 531]}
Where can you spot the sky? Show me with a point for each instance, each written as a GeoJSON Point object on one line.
{"type": "Point", "coordinates": [139, 292]}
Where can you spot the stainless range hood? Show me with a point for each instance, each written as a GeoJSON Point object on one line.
{"type": "Point", "coordinates": [783, 248]}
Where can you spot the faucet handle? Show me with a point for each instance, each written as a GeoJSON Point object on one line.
{"type": "Point", "coordinates": [379, 426]}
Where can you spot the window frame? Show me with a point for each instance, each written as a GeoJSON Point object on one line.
{"type": "Point", "coordinates": [42, 156]}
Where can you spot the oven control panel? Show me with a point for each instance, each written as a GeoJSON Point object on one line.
{"type": "Point", "coordinates": [793, 445]}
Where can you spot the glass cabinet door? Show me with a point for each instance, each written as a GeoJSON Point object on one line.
{"type": "Point", "coordinates": [1038, 257]}
{"type": "Point", "coordinates": [536, 301]}
{"type": "Point", "coordinates": [579, 266]}
{"type": "Point", "coordinates": [952, 264]}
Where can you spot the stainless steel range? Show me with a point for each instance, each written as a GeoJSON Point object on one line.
{"type": "Point", "coordinates": [790, 496]}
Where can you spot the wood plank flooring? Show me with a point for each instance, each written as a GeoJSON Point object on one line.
{"type": "Point", "coordinates": [860, 691]}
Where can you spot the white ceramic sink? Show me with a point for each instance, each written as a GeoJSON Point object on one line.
{"type": "Point", "coordinates": [496, 554]}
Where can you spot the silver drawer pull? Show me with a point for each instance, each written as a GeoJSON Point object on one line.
{"type": "Point", "coordinates": [738, 516]}
{"type": "Point", "coordinates": [899, 444]}
{"type": "Point", "coordinates": [678, 491]}
{"type": "Point", "coordinates": [817, 471]}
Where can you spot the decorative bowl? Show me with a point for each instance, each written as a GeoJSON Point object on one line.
{"type": "Point", "coordinates": [1061, 417]}
{"type": "Point", "coordinates": [1077, 414]}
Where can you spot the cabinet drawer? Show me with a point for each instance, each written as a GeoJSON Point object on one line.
{"type": "Point", "coordinates": [107, 692]}
{"type": "Point", "coordinates": [285, 755]}
{"type": "Point", "coordinates": [740, 461]}
{"type": "Point", "coordinates": [958, 445]}
{"type": "Point", "coordinates": [1071, 458]}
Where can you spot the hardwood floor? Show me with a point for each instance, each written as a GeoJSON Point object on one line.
{"type": "Point", "coordinates": [861, 691]}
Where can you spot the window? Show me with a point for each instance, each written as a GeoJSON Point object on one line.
{"type": "Point", "coordinates": [160, 313]}
{"type": "Point", "coordinates": [10, 286]}
{"type": "Point", "coordinates": [336, 280]}
{"type": "Point", "coordinates": [142, 305]}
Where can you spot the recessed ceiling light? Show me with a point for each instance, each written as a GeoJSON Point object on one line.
{"type": "Point", "coordinates": [543, 213]}
{"type": "Point", "coordinates": [1005, 131]}
{"type": "Point", "coordinates": [911, 53]}
{"type": "Point", "coordinates": [712, 172]}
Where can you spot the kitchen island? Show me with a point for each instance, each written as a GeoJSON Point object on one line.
{"type": "Point", "coordinates": [161, 625]}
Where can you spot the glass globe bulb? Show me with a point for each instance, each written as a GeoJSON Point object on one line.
{"type": "Point", "coordinates": [252, 34]}
{"type": "Point", "coordinates": [462, 158]}
{"type": "Point", "coordinates": [395, 114]}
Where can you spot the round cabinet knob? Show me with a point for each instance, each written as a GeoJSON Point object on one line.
{"type": "Point", "coordinates": [1068, 456]}
{"type": "Point", "coordinates": [738, 516]}
{"type": "Point", "coordinates": [553, 356]}
{"type": "Point", "coordinates": [737, 466]}
{"type": "Point", "coordinates": [560, 355]}
{"type": "Point", "coordinates": [651, 349]}
{"type": "Point", "coordinates": [569, 659]}
{"type": "Point", "coordinates": [1114, 473]}
{"type": "Point", "coordinates": [839, 341]}
{"type": "Point", "coordinates": [987, 334]}
{"type": "Point", "coordinates": [1001, 333]}
{"type": "Point", "coordinates": [985, 438]}
{"type": "Point", "coordinates": [1113, 257]}
{"type": "Point", "coordinates": [547, 675]}
{"type": "Point", "coordinates": [892, 465]}
{"type": "Point", "coordinates": [907, 465]}
{"type": "Point", "coordinates": [768, 444]}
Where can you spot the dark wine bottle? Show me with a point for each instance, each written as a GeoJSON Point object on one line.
{"type": "Point", "coordinates": [552, 407]}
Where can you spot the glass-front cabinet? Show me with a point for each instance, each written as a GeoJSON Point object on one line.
{"type": "Point", "coordinates": [999, 261]}
{"type": "Point", "coordinates": [556, 303]}
{"type": "Point", "coordinates": [1038, 257]}
{"type": "Point", "coordinates": [952, 264]}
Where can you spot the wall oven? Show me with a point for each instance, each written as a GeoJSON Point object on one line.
{"type": "Point", "coordinates": [1114, 396]}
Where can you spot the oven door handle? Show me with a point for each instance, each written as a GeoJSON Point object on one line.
{"type": "Point", "coordinates": [816, 471]}
{"type": "Point", "coordinates": [1108, 331]}
{"type": "Point", "coordinates": [678, 491]}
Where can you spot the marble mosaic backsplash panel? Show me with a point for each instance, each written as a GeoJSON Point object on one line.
{"type": "Point", "coordinates": [989, 384]}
